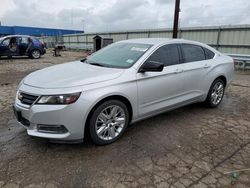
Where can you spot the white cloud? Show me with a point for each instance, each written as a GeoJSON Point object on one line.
{"type": "Point", "coordinates": [102, 15]}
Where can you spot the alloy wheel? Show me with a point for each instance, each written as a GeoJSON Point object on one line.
{"type": "Point", "coordinates": [35, 54]}
{"type": "Point", "coordinates": [217, 93]}
{"type": "Point", "coordinates": [110, 122]}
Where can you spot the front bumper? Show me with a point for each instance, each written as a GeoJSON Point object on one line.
{"type": "Point", "coordinates": [72, 117]}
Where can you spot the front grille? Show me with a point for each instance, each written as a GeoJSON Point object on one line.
{"type": "Point", "coordinates": [27, 98]}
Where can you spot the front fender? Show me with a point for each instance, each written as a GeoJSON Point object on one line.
{"type": "Point", "coordinates": [127, 90]}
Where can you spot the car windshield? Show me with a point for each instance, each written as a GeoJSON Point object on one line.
{"type": "Point", "coordinates": [1, 39]}
{"type": "Point", "coordinates": [118, 55]}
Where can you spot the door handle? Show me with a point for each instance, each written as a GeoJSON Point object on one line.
{"type": "Point", "coordinates": [177, 71]}
{"type": "Point", "coordinates": [206, 66]}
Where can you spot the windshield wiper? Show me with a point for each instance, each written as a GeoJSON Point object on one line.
{"type": "Point", "coordinates": [97, 64]}
{"type": "Point", "coordinates": [85, 60]}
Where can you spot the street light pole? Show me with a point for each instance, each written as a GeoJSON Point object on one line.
{"type": "Point", "coordinates": [176, 18]}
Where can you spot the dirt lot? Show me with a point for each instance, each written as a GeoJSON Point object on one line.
{"type": "Point", "coordinates": [189, 147]}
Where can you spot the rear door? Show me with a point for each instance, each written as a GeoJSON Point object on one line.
{"type": "Point", "coordinates": [195, 67]}
{"type": "Point", "coordinates": [160, 90]}
{"type": "Point", "coordinates": [23, 45]}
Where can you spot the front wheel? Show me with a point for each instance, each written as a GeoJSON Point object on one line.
{"type": "Point", "coordinates": [108, 122]}
{"type": "Point", "coordinates": [216, 93]}
{"type": "Point", "coordinates": [35, 54]}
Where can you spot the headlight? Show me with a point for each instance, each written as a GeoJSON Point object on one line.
{"type": "Point", "coordinates": [59, 99]}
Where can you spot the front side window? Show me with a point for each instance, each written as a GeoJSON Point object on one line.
{"type": "Point", "coordinates": [119, 55]}
{"type": "Point", "coordinates": [168, 55]}
{"type": "Point", "coordinates": [192, 53]}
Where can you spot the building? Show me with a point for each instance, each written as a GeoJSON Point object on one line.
{"type": "Point", "coordinates": [35, 31]}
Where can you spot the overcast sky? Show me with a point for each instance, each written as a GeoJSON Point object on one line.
{"type": "Point", "coordinates": [109, 15]}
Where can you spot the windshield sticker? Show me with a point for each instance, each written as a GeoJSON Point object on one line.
{"type": "Point", "coordinates": [139, 49]}
{"type": "Point", "coordinates": [130, 61]}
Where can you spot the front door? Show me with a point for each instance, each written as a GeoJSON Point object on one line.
{"type": "Point", "coordinates": [160, 90]}
{"type": "Point", "coordinates": [13, 46]}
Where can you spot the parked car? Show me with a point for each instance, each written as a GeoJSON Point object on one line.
{"type": "Point", "coordinates": [122, 83]}
{"type": "Point", "coordinates": [21, 45]}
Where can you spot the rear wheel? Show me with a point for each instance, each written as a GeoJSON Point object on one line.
{"type": "Point", "coordinates": [108, 122]}
{"type": "Point", "coordinates": [216, 93]}
{"type": "Point", "coordinates": [35, 54]}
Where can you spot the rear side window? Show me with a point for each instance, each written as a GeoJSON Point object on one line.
{"type": "Point", "coordinates": [208, 53]}
{"type": "Point", "coordinates": [168, 55]}
{"type": "Point", "coordinates": [192, 53]}
{"type": "Point", "coordinates": [36, 40]}
{"type": "Point", "coordinates": [25, 40]}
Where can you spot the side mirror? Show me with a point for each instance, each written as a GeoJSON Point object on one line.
{"type": "Point", "coordinates": [151, 66]}
{"type": "Point", "coordinates": [84, 59]}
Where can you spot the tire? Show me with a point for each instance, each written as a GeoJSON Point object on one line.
{"type": "Point", "coordinates": [216, 93]}
{"type": "Point", "coordinates": [35, 54]}
{"type": "Point", "coordinates": [108, 125]}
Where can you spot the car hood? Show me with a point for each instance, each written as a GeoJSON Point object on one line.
{"type": "Point", "coordinates": [70, 75]}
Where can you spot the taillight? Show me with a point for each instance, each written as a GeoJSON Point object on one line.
{"type": "Point", "coordinates": [234, 61]}
{"type": "Point", "coordinates": [41, 44]}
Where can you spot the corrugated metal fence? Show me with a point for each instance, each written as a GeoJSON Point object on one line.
{"type": "Point", "coordinates": [227, 39]}
{"type": "Point", "coordinates": [51, 41]}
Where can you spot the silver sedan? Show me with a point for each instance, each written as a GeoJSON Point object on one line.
{"type": "Point", "coordinates": [123, 83]}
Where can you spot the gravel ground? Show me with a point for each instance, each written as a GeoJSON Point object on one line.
{"type": "Point", "coordinates": [189, 147]}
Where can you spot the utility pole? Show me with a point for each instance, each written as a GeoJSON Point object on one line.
{"type": "Point", "coordinates": [83, 25]}
{"type": "Point", "coordinates": [176, 18]}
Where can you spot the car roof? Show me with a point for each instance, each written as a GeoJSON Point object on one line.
{"type": "Point", "coordinates": [7, 36]}
{"type": "Point", "coordinates": [152, 41]}
{"type": "Point", "coordinates": [162, 41]}
{"type": "Point", "coordinates": [159, 41]}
